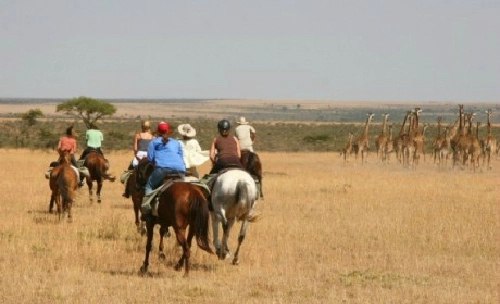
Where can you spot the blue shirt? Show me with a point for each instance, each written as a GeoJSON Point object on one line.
{"type": "Point", "coordinates": [169, 155]}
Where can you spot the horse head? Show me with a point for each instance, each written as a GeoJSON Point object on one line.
{"type": "Point", "coordinates": [64, 157]}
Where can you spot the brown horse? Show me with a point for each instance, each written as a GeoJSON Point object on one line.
{"type": "Point", "coordinates": [252, 164]}
{"type": "Point", "coordinates": [96, 165]}
{"type": "Point", "coordinates": [179, 206]}
{"type": "Point", "coordinates": [63, 183]}
{"type": "Point", "coordinates": [134, 187]}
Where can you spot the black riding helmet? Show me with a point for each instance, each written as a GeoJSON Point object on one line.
{"type": "Point", "coordinates": [223, 125]}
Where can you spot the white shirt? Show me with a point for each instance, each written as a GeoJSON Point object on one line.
{"type": "Point", "coordinates": [193, 155]}
{"type": "Point", "coordinates": [243, 133]}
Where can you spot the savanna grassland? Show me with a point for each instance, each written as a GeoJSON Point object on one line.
{"type": "Point", "coordinates": [329, 232]}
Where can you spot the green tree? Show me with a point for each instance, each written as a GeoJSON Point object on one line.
{"type": "Point", "coordinates": [88, 109]}
{"type": "Point", "coordinates": [31, 116]}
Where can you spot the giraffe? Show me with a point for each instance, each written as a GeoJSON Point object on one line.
{"type": "Point", "coordinates": [456, 138]}
{"type": "Point", "coordinates": [399, 141]}
{"type": "Point", "coordinates": [347, 150]}
{"type": "Point", "coordinates": [419, 143]}
{"type": "Point", "coordinates": [389, 144]}
{"type": "Point", "coordinates": [409, 142]}
{"type": "Point", "coordinates": [445, 149]}
{"type": "Point", "coordinates": [438, 141]}
{"type": "Point", "coordinates": [489, 143]}
{"type": "Point", "coordinates": [381, 141]}
{"type": "Point", "coordinates": [468, 144]}
{"type": "Point", "coordinates": [361, 145]}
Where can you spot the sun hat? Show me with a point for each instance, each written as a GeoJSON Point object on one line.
{"type": "Point", "coordinates": [242, 121]}
{"type": "Point", "coordinates": [163, 128]}
{"type": "Point", "coordinates": [186, 130]}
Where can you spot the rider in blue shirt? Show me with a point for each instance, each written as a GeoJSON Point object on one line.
{"type": "Point", "coordinates": [168, 158]}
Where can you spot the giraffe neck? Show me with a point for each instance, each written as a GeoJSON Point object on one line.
{"type": "Point", "coordinates": [489, 124]}
{"type": "Point", "coordinates": [384, 125]}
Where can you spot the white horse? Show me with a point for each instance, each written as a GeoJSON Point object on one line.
{"type": "Point", "coordinates": [233, 198]}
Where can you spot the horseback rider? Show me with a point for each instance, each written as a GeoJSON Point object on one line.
{"type": "Point", "coordinates": [193, 155]}
{"type": "Point", "coordinates": [225, 149]}
{"type": "Point", "coordinates": [141, 144]}
{"type": "Point", "coordinates": [68, 143]}
{"type": "Point", "coordinates": [166, 154]}
{"type": "Point", "coordinates": [245, 134]}
{"type": "Point", "coordinates": [94, 139]}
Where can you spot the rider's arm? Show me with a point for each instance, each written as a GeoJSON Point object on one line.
{"type": "Point", "coordinates": [212, 151]}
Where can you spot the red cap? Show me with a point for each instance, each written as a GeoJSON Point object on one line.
{"type": "Point", "coordinates": [163, 128]}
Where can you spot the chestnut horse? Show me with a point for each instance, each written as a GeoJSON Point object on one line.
{"type": "Point", "coordinates": [63, 183]}
{"type": "Point", "coordinates": [96, 165]}
{"type": "Point", "coordinates": [233, 199]}
{"type": "Point", "coordinates": [135, 187]}
{"type": "Point", "coordinates": [180, 205]}
{"type": "Point", "coordinates": [251, 162]}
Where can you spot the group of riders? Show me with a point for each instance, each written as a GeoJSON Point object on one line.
{"type": "Point", "coordinates": [171, 156]}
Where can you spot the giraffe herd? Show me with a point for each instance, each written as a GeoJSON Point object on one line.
{"type": "Point", "coordinates": [458, 144]}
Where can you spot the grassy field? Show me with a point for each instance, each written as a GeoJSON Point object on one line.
{"type": "Point", "coordinates": [330, 232]}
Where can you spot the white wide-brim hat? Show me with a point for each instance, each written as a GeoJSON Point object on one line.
{"type": "Point", "coordinates": [186, 130]}
{"type": "Point", "coordinates": [242, 121]}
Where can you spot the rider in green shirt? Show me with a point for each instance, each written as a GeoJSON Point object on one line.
{"type": "Point", "coordinates": [94, 138]}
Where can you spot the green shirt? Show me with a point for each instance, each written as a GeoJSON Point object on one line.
{"type": "Point", "coordinates": [94, 138]}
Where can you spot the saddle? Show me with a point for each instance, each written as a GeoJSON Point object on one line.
{"type": "Point", "coordinates": [155, 194]}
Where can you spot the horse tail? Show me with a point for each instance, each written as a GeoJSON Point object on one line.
{"type": "Point", "coordinates": [67, 182]}
{"type": "Point", "coordinates": [246, 200]}
{"type": "Point", "coordinates": [199, 217]}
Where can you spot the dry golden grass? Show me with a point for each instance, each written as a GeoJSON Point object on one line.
{"type": "Point", "coordinates": [329, 233]}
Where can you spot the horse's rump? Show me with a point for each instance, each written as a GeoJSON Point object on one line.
{"type": "Point", "coordinates": [252, 163]}
{"type": "Point", "coordinates": [234, 191]}
{"type": "Point", "coordinates": [181, 205]}
{"type": "Point", "coordinates": [96, 165]}
{"type": "Point", "coordinates": [233, 198]}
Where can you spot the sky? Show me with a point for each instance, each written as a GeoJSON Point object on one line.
{"type": "Point", "coordinates": [373, 50]}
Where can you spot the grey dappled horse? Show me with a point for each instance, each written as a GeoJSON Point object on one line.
{"type": "Point", "coordinates": [233, 199]}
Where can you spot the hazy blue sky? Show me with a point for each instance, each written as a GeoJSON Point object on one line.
{"type": "Point", "coordinates": [422, 50]}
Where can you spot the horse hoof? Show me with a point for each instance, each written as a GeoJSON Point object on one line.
{"type": "Point", "coordinates": [236, 262]}
{"type": "Point", "coordinates": [144, 269]}
{"type": "Point", "coordinates": [162, 256]}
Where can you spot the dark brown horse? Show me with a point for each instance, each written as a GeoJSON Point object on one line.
{"type": "Point", "coordinates": [96, 165]}
{"type": "Point", "coordinates": [63, 183]}
{"type": "Point", "coordinates": [134, 187]}
{"type": "Point", "coordinates": [252, 164]}
{"type": "Point", "coordinates": [179, 206]}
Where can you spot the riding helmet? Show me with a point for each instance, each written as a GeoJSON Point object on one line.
{"type": "Point", "coordinates": [224, 125]}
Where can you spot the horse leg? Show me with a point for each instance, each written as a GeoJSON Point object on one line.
{"type": "Point", "coordinates": [215, 230]}
{"type": "Point", "coordinates": [161, 254]}
{"type": "Point", "coordinates": [180, 234]}
{"type": "Point", "coordinates": [70, 217]}
{"type": "Point", "coordinates": [150, 226]}
{"type": "Point", "coordinates": [51, 204]}
{"type": "Point", "coordinates": [136, 214]}
{"type": "Point", "coordinates": [241, 237]}
{"type": "Point", "coordinates": [99, 187]}
{"type": "Point", "coordinates": [226, 228]}
{"type": "Point", "coordinates": [89, 185]}
{"type": "Point", "coordinates": [260, 186]}
{"type": "Point", "coordinates": [59, 206]}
